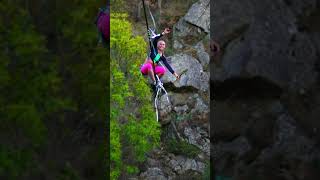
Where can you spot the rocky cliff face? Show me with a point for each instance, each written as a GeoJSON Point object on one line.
{"type": "Point", "coordinates": [265, 89]}
{"type": "Point", "coordinates": [185, 148]}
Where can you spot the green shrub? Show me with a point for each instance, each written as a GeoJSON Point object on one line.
{"type": "Point", "coordinates": [134, 129]}
{"type": "Point", "coordinates": [13, 163]}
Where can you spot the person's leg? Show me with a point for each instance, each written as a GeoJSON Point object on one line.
{"type": "Point", "coordinates": [146, 69]}
{"type": "Point", "coordinates": [160, 70]}
{"type": "Point", "coordinates": [151, 74]}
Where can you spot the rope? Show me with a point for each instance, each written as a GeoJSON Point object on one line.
{"type": "Point", "coordinates": [150, 44]}
{"type": "Point", "coordinates": [154, 23]}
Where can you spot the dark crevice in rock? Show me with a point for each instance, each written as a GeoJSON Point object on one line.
{"type": "Point", "coordinates": [185, 89]}
{"type": "Point", "coordinates": [244, 88]}
{"type": "Point", "coordinates": [288, 2]}
{"type": "Point", "coordinates": [195, 26]}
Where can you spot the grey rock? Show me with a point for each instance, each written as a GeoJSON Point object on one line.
{"type": "Point", "coordinates": [229, 18]}
{"type": "Point", "coordinates": [290, 140]}
{"type": "Point", "coordinates": [181, 99]}
{"type": "Point", "coordinates": [203, 56]}
{"type": "Point", "coordinates": [181, 109]}
{"type": "Point", "coordinates": [182, 164]}
{"type": "Point", "coordinates": [200, 107]}
{"type": "Point", "coordinates": [177, 44]}
{"type": "Point", "coordinates": [276, 108]}
{"type": "Point", "coordinates": [153, 174]}
{"type": "Point", "coordinates": [194, 77]}
{"type": "Point", "coordinates": [165, 109]}
{"type": "Point", "coordinates": [153, 163]}
{"type": "Point", "coordinates": [230, 120]}
{"type": "Point", "coordinates": [193, 27]}
{"type": "Point", "coordinates": [278, 41]}
{"type": "Point", "coordinates": [260, 43]}
{"type": "Point", "coordinates": [199, 15]}
{"type": "Point", "coordinates": [186, 34]}
{"type": "Point", "coordinates": [238, 147]}
{"type": "Point", "coordinates": [189, 33]}
{"type": "Point", "coordinates": [198, 138]}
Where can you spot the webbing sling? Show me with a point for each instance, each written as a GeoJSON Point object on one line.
{"type": "Point", "coordinates": [156, 59]}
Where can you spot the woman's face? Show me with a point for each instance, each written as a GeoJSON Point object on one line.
{"type": "Point", "coordinates": [161, 45]}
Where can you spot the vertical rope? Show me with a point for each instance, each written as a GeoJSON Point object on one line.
{"type": "Point", "coordinates": [145, 15]}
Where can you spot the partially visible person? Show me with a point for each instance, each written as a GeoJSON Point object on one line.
{"type": "Point", "coordinates": [103, 24]}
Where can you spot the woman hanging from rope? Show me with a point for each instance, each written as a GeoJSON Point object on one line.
{"type": "Point", "coordinates": [156, 56]}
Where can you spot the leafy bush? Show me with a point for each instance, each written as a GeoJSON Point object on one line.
{"type": "Point", "coordinates": [49, 69]}
{"type": "Point", "coordinates": [134, 129]}
{"type": "Point", "coordinates": [13, 162]}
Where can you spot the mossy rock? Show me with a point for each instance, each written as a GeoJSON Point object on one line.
{"type": "Point", "coordinates": [182, 148]}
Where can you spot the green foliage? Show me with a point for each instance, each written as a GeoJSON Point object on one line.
{"type": "Point", "coordinates": [51, 73]}
{"type": "Point", "coordinates": [13, 162]}
{"type": "Point", "coordinates": [85, 68]}
{"type": "Point", "coordinates": [206, 174]}
{"type": "Point", "coordinates": [30, 88]}
{"type": "Point", "coordinates": [131, 111]}
{"type": "Point", "coordinates": [115, 151]}
{"type": "Point", "coordinates": [132, 169]}
{"type": "Point", "coordinates": [141, 135]}
{"type": "Point", "coordinates": [120, 89]}
{"type": "Point", "coordinates": [182, 147]}
{"type": "Point", "coordinates": [81, 57]}
{"type": "Point", "coordinates": [26, 118]}
{"type": "Point", "coordinates": [76, 19]}
{"type": "Point", "coordinates": [117, 5]}
{"type": "Point", "coordinates": [30, 78]}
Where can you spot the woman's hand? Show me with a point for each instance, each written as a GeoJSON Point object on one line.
{"type": "Point", "coordinates": [176, 75]}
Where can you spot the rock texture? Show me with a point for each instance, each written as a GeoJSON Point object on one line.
{"type": "Point", "coordinates": [185, 118]}
{"type": "Point", "coordinates": [265, 39]}
{"type": "Point", "coordinates": [265, 91]}
{"type": "Point", "coordinates": [194, 75]}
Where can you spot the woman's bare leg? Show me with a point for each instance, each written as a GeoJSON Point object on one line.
{"type": "Point", "coordinates": [151, 74]}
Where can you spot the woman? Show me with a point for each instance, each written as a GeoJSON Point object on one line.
{"type": "Point", "coordinates": [103, 24]}
{"type": "Point", "coordinates": [157, 56]}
